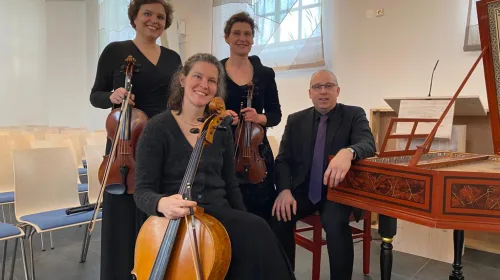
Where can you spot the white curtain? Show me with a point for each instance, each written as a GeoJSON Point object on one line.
{"type": "Point", "coordinates": [288, 32]}
{"type": "Point", "coordinates": [114, 24]}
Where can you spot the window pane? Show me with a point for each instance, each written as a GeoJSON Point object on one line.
{"type": "Point", "coordinates": [266, 27]}
{"type": "Point", "coordinates": [310, 21]}
{"type": "Point", "coordinates": [270, 6]}
{"type": "Point", "coordinates": [309, 2]}
{"type": "Point", "coordinates": [259, 7]}
{"type": "Point", "coordinates": [289, 28]}
{"type": "Point", "coordinates": [286, 5]}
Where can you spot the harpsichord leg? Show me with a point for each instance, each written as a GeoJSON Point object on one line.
{"type": "Point", "coordinates": [387, 230]}
{"type": "Point", "coordinates": [458, 244]}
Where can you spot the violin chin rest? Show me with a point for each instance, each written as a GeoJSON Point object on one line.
{"type": "Point", "coordinates": [115, 189]}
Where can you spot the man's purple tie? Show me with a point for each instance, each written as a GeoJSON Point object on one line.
{"type": "Point", "coordinates": [316, 180]}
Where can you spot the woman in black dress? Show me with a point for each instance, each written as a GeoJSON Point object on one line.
{"type": "Point", "coordinates": [150, 87]}
{"type": "Point", "coordinates": [242, 69]}
{"type": "Point", "coordinates": [163, 154]}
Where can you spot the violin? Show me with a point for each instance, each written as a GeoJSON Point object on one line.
{"type": "Point", "coordinates": [196, 246]}
{"type": "Point", "coordinates": [248, 137]}
{"type": "Point", "coordinates": [123, 126]}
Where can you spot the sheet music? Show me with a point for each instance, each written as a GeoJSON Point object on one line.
{"type": "Point", "coordinates": [429, 109]}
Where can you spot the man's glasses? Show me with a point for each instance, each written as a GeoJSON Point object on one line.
{"type": "Point", "coordinates": [328, 86]}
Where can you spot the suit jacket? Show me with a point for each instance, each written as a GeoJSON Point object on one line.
{"type": "Point", "coordinates": [348, 128]}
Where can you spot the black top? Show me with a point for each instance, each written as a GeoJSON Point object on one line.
{"type": "Point", "coordinates": [265, 97]}
{"type": "Point", "coordinates": [150, 84]}
{"type": "Point", "coordinates": [162, 157]}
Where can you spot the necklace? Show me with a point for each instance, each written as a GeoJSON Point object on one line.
{"type": "Point", "coordinates": [190, 123]}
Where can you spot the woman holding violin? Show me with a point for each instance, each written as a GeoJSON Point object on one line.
{"type": "Point", "coordinates": [163, 160]}
{"type": "Point", "coordinates": [252, 97]}
{"type": "Point", "coordinates": [154, 67]}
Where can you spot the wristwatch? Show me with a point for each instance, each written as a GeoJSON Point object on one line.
{"type": "Point", "coordinates": [353, 152]}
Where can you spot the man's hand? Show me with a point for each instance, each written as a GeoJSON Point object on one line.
{"type": "Point", "coordinates": [282, 206]}
{"type": "Point", "coordinates": [338, 168]}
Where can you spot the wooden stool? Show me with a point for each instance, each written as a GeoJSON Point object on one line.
{"type": "Point", "coordinates": [314, 245]}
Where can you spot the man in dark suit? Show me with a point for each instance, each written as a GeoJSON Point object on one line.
{"type": "Point", "coordinates": [303, 172]}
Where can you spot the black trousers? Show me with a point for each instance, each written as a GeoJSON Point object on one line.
{"type": "Point", "coordinates": [335, 221]}
{"type": "Point", "coordinates": [256, 253]}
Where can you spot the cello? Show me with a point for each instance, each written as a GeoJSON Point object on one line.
{"type": "Point", "coordinates": [196, 246]}
{"type": "Point", "coordinates": [248, 137]}
{"type": "Point", "coordinates": [124, 126]}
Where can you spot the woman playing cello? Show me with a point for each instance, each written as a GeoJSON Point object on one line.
{"type": "Point", "coordinates": [155, 67]}
{"type": "Point", "coordinates": [265, 111]}
{"type": "Point", "coordinates": [162, 157]}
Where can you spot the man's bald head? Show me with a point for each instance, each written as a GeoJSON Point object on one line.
{"type": "Point", "coordinates": [324, 72]}
{"type": "Point", "coordinates": [324, 90]}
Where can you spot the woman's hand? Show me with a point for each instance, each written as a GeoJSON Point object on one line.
{"type": "Point", "coordinates": [119, 95]}
{"type": "Point", "coordinates": [174, 207]}
{"type": "Point", "coordinates": [234, 115]}
{"type": "Point", "coordinates": [251, 115]}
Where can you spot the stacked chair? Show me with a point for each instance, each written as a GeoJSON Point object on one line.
{"type": "Point", "coordinates": [43, 172]}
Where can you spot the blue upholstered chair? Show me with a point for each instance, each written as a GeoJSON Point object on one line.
{"type": "Point", "coordinates": [45, 188]}
{"type": "Point", "coordinates": [9, 232]}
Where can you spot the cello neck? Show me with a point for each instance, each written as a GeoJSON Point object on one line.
{"type": "Point", "coordinates": [160, 266]}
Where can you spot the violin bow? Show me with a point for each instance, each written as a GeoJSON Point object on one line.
{"type": "Point", "coordinates": [128, 86]}
{"type": "Point", "coordinates": [250, 87]}
{"type": "Point", "coordinates": [191, 228]}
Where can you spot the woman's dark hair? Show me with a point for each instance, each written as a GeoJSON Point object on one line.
{"type": "Point", "coordinates": [239, 17]}
{"type": "Point", "coordinates": [135, 5]}
{"type": "Point", "coordinates": [177, 91]}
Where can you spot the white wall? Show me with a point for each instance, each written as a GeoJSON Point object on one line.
{"type": "Point", "coordinates": [66, 65]}
{"type": "Point", "coordinates": [23, 63]}
{"type": "Point", "coordinates": [375, 57]}
{"type": "Point", "coordinates": [392, 55]}
{"type": "Point", "coordinates": [198, 17]}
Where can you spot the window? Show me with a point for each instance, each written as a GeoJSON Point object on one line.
{"type": "Point", "coordinates": [472, 41]}
{"type": "Point", "coordinates": [288, 32]}
{"type": "Point", "coordinates": [298, 20]}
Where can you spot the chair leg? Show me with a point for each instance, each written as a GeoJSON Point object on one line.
{"type": "Point", "coordinates": [23, 254]}
{"type": "Point", "coordinates": [13, 260]}
{"type": "Point", "coordinates": [4, 258]}
{"type": "Point", "coordinates": [367, 238]}
{"type": "Point", "coordinates": [317, 240]}
{"type": "Point", "coordinates": [41, 240]}
{"type": "Point", "coordinates": [51, 242]}
{"type": "Point", "coordinates": [85, 245]}
{"type": "Point", "coordinates": [31, 251]}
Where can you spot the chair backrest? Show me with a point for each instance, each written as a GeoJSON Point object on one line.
{"type": "Point", "coordinates": [53, 143]}
{"type": "Point", "coordinates": [42, 186]}
{"type": "Point", "coordinates": [7, 145]}
{"type": "Point", "coordinates": [96, 139]}
{"type": "Point", "coordinates": [94, 155]}
{"type": "Point", "coordinates": [22, 140]}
